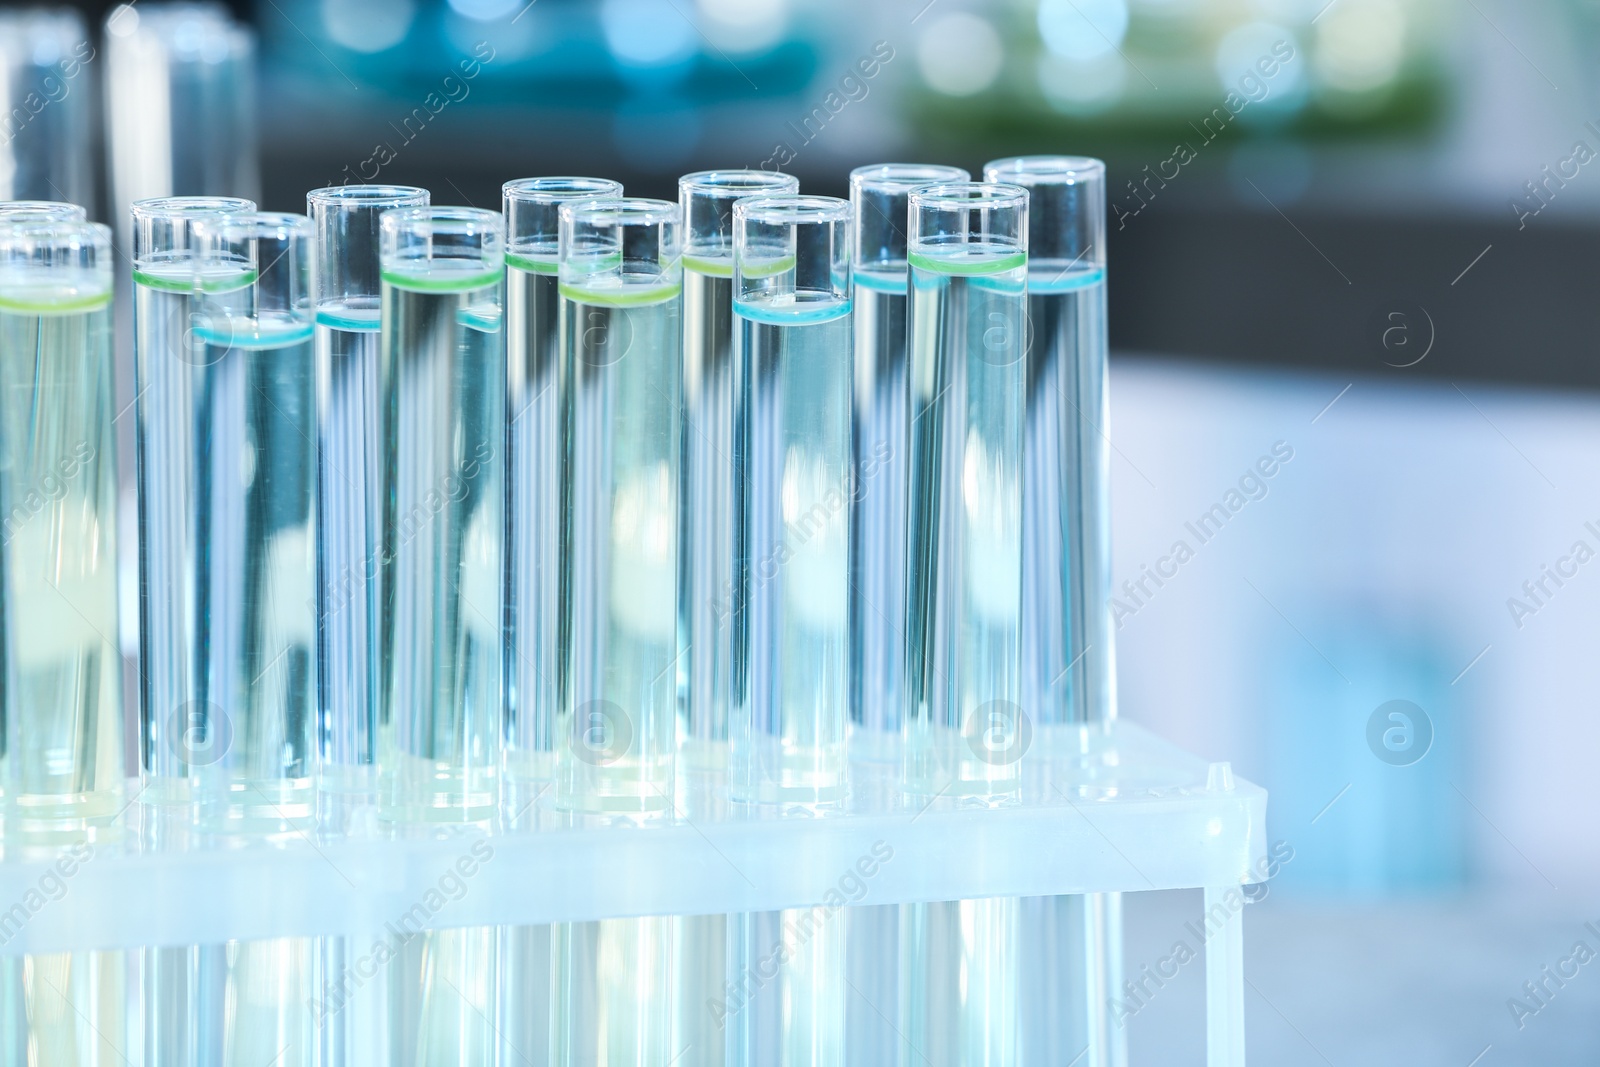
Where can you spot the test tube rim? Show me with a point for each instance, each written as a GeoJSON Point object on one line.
{"type": "Point", "coordinates": [367, 196]}
{"type": "Point", "coordinates": [190, 207]}
{"type": "Point", "coordinates": [528, 204]}
{"type": "Point", "coordinates": [488, 227]}
{"type": "Point", "coordinates": [954, 196]}
{"type": "Point", "coordinates": [40, 232]}
{"type": "Point", "coordinates": [270, 223]}
{"type": "Point", "coordinates": [622, 210]}
{"type": "Point", "coordinates": [795, 209]}
{"type": "Point", "coordinates": [904, 177]}
{"type": "Point", "coordinates": [735, 183]}
{"type": "Point", "coordinates": [1044, 170]}
{"type": "Point", "coordinates": [42, 211]}
{"type": "Point", "coordinates": [87, 248]}
{"type": "Point", "coordinates": [558, 188]}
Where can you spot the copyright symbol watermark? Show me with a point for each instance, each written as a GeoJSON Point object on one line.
{"type": "Point", "coordinates": [1403, 333]}
{"type": "Point", "coordinates": [604, 337]}
{"type": "Point", "coordinates": [602, 733]}
{"type": "Point", "coordinates": [999, 732]}
{"type": "Point", "coordinates": [200, 733]}
{"type": "Point", "coordinates": [1004, 340]}
{"type": "Point", "coordinates": [1399, 733]}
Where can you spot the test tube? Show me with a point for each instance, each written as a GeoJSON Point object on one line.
{"type": "Point", "coordinates": [441, 1007]}
{"type": "Point", "coordinates": [33, 211]}
{"type": "Point", "coordinates": [532, 209]}
{"type": "Point", "coordinates": [180, 103]}
{"type": "Point", "coordinates": [533, 473]}
{"type": "Point", "coordinates": [1067, 635]}
{"type": "Point", "coordinates": [444, 379]}
{"type": "Point", "coordinates": [708, 533]}
{"type": "Point", "coordinates": [968, 315]}
{"type": "Point", "coordinates": [793, 461]}
{"type": "Point", "coordinates": [177, 725]}
{"type": "Point", "coordinates": [171, 294]}
{"type": "Point", "coordinates": [70, 1008]}
{"type": "Point", "coordinates": [880, 196]}
{"type": "Point", "coordinates": [61, 699]}
{"type": "Point", "coordinates": [965, 731]}
{"type": "Point", "coordinates": [47, 79]}
{"type": "Point", "coordinates": [269, 1016]}
{"type": "Point", "coordinates": [346, 296]}
{"type": "Point", "coordinates": [1069, 674]}
{"type": "Point", "coordinates": [621, 287]}
{"type": "Point", "coordinates": [255, 446]}
{"type": "Point", "coordinates": [612, 1001]}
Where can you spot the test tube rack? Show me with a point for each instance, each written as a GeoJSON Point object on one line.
{"type": "Point", "coordinates": [1121, 812]}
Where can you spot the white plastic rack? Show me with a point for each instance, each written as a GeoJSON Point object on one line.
{"type": "Point", "coordinates": [1127, 813]}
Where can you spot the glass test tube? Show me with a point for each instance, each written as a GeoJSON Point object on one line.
{"type": "Point", "coordinates": [180, 103]}
{"type": "Point", "coordinates": [441, 1004]}
{"type": "Point", "coordinates": [968, 316]}
{"type": "Point", "coordinates": [792, 298]}
{"type": "Point", "coordinates": [880, 196]}
{"type": "Point", "coordinates": [444, 378]}
{"type": "Point", "coordinates": [965, 730]}
{"type": "Point", "coordinates": [47, 134]}
{"type": "Point", "coordinates": [621, 290]}
{"type": "Point", "coordinates": [793, 461]}
{"type": "Point", "coordinates": [346, 296]}
{"type": "Point", "coordinates": [269, 1018]}
{"type": "Point", "coordinates": [170, 295]}
{"type": "Point", "coordinates": [255, 446]}
{"type": "Point", "coordinates": [708, 534]}
{"type": "Point", "coordinates": [533, 472]}
{"type": "Point", "coordinates": [708, 531]}
{"type": "Point", "coordinates": [621, 286]}
{"type": "Point", "coordinates": [175, 719]}
{"type": "Point", "coordinates": [534, 570]}
{"type": "Point", "coordinates": [69, 1008]}
{"type": "Point", "coordinates": [612, 1001]}
{"type": "Point", "coordinates": [60, 663]}
{"type": "Point", "coordinates": [1069, 675]}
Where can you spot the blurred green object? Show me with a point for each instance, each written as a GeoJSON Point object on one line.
{"type": "Point", "coordinates": [1025, 72]}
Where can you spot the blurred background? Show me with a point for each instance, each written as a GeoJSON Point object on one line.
{"type": "Point", "coordinates": [1359, 234]}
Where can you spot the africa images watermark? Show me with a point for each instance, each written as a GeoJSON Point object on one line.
{"type": "Point", "coordinates": [53, 88]}
{"type": "Point", "coordinates": [1537, 592]}
{"type": "Point", "coordinates": [1539, 193]}
{"type": "Point", "coordinates": [1137, 993]}
{"type": "Point", "coordinates": [52, 487]}
{"type": "Point", "coordinates": [1552, 979]}
{"type": "Point", "coordinates": [853, 87]}
{"type": "Point", "coordinates": [1252, 485]}
{"type": "Point", "coordinates": [452, 90]}
{"type": "Point", "coordinates": [1253, 87]}
{"type": "Point", "coordinates": [51, 887]}
{"type": "Point", "coordinates": [338, 988]}
{"type": "Point", "coordinates": [806, 923]}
